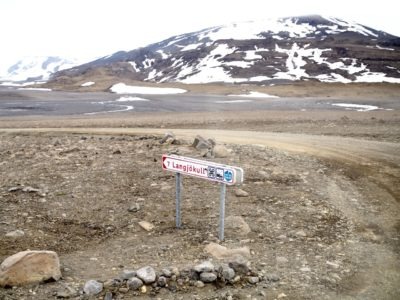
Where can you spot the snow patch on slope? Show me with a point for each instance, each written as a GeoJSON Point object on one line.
{"type": "Point", "coordinates": [122, 88]}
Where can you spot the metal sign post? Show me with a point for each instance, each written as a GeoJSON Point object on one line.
{"type": "Point", "coordinates": [178, 200]}
{"type": "Point", "coordinates": [222, 212]}
{"type": "Point", "coordinates": [223, 174]}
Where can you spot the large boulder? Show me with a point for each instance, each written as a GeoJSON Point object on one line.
{"type": "Point", "coordinates": [220, 151]}
{"type": "Point", "coordinates": [221, 252]}
{"type": "Point", "coordinates": [29, 267]}
{"type": "Point", "coordinates": [201, 143]}
{"type": "Point", "coordinates": [236, 225]}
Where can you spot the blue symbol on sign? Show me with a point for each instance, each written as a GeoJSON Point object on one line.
{"type": "Point", "coordinates": [228, 175]}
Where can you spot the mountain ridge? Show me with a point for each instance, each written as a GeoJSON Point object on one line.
{"type": "Point", "coordinates": [36, 68]}
{"type": "Point", "coordinates": [304, 48]}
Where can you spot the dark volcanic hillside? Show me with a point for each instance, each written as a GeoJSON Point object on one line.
{"type": "Point", "coordinates": [299, 48]}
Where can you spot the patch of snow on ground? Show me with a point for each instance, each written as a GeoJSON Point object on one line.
{"type": "Point", "coordinates": [376, 77]}
{"type": "Point", "coordinates": [89, 83]}
{"type": "Point", "coordinates": [384, 48]}
{"type": "Point", "coordinates": [176, 40]}
{"type": "Point", "coordinates": [148, 62]}
{"type": "Point", "coordinates": [125, 108]}
{"type": "Point", "coordinates": [7, 83]}
{"type": "Point", "coordinates": [128, 99]}
{"type": "Point", "coordinates": [277, 37]}
{"type": "Point", "coordinates": [357, 107]}
{"type": "Point", "coordinates": [233, 101]}
{"type": "Point", "coordinates": [134, 66]}
{"type": "Point", "coordinates": [255, 95]}
{"type": "Point", "coordinates": [259, 78]}
{"type": "Point", "coordinates": [350, 26]}
{"type": "Point", "coordinates": [35, 89]}
{"type": "Point", "coordinates": [211, 74]}
{"type": "Point", "coordinates": [191, 47]}
{"type": "Point", "coordinates": [163, 54]}
{"type": "Point", "coordinates": [294, 62]}
{"type": "Point", "coordinates": [332, 77]}
{"type": "Point", "coordinates": [185, 71]}
{"type": "Point", "coordinates": [152, 75]}
{"type": "Point", "coordinates": [251, 55]}
{"type": "Point", "coordinates": [252, 30]}
{"type": "Point", "coordinates": [177, 63]}
{"type": "Point", "coordinates": [122, 88]}
{"type": "Point", "coordinates": [209, 68]}
{"type": "Point", "coordinates": [240, 64]}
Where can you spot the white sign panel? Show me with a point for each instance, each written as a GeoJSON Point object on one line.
{"type": "Point", "coordinates": [203, 169]}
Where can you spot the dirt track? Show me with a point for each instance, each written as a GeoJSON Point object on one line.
{"type": "Point", "coordinates": [357, 179]}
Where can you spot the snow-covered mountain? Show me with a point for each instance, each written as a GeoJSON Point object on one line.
{"type": "Point", "coordinates": [298, 48]}
{"type": "Point", "coordinates": [37, 68]}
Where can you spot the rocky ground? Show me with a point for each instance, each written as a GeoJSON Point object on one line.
{"type": "Point", "coordinates": [317, 216]}
{"type": "Point", "coordinates": [309, 228]}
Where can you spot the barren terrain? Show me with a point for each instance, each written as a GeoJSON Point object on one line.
{"type": "Point", "coordinates": [323, 200]}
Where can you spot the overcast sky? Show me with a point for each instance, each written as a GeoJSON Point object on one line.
{"type": "Point", "coordinates": [93, 28]}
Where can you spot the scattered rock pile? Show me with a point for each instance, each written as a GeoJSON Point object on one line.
{"type": "Point", "coordinates": [147, 280]}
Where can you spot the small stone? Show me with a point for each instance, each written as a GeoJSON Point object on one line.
{"type": "Point", "coordinates": [146, 225]}
{"type": "Point", "coordinates": [167, 136]}
{"type": "Point", "coordinates": [208, 277]}
{"type": "Point", "coordinates": [305, 269]}
{"type": "Point", "coordinates": [15, 234]}
{"type": "Point", "coordinates": [199, 284]}
{"type": "Point", "coordinates": [253, 280]}
{"type": "Point", "coordinates": [282, 295]}
{"type": "Point", "coordinates": [205, 266]}
{"type": "Point", "coordinates": [300, 233]}
{"type": "Point", "coordinates": [15, 189]}
{"type": "Point", "coordinates": [175, 271]}
{"type": "Point", "coordinates": [227, 272]}
{"type": "Point", "coordinates": [281, 260]}
{"type": "Point", "coordinates": [241, 193]}
{"type": "Point", "coordinates": [108, 296]}
{"type": "Point", "coordinates": [332, 264]}
{"type": "Point", "coordinates": [134, 207]}
{"type": "Point", "coordinates": [134, 283]}
{"type": "Point", "coordinates": [143, 289]}
{"type": "Point", "coordinates": [272, 277]}
{"type": "Point", "coordinates": [117, 151]}
{"type": "Point", "coordinates": [93, 287]}
{"type": "Point", "coordinates": [111, 283]}
{"type": "Point", "coordinates": [123, 290]}
{"type": "Point", "coordinates": [240, 265]}
{"type": "Point", "coordinates": [162, 281]}
{"type": "Point", "coordinates": [147, 274]}
{"type": "Point", "coordinates": [166, 272]}
{"type": "Point", "coordinates": [66, 292]}
{"type": "Point", "coordinates": [236, 279]}
{"type": "Point", "coordinates": [29, 189]}
{"type": "Point", "coordinates": [127, 274]}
